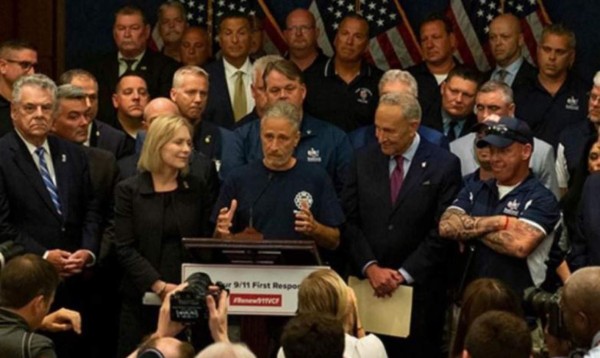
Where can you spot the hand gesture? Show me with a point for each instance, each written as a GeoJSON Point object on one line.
{"type": "Point", "coordinates": [225, 219]}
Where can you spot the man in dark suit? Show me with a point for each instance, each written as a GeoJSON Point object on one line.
{"type": "Point", "coordinates": [131, 32]}
{"type": "Point", "coordinates": [46, 198]}
{"type": "Point", "coordinates": [100, 134]}
{"type": "Point", "coordinates": [396, 193]}
{"type": "Point", "coordinates": [454, 115]}
{"type": "Point", "coordinates": [230, 77]}
{"type": "Point", "coordinates": [506, 41]}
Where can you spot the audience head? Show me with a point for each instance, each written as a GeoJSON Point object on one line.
{"type": "Point", "coordinates": [437, 40]}
{"type": "Point", "coordinates": [194, 48]}
{"type": "Point", "coordinates": [398, 81]}
{"type": "Point", "coordinates": [172, 21]}
{"type": "Point", "coordinates": [594, 101]}
{"type": "Point", "coordinates": [159, 107]}
{"type": "Point", "coordinates": [279, 135]}
{"type": "Point", "coordinates": [459, 90]}
{"type": "Point", "coordinates": [130, 97]}
{"type": "Point", "coordinates": [556, 51]}
{"type": "Point", "coordinates": [235, 38]}
{"type": "Point", "coordinates": [284, 81]}
{"type": "Point", "coordinates": [72, 118]}
{"type": "Point", "coordinates": [580, 305]}
{"type": "Point", "coordinates": [27, 286]}
{"type": "Point", "coordinates": [498, 334]}
{"type": "Point", "coordinates": [351, 39]}
{"type": "Point", "coordinates": [257, 40]}
{"type": "Point", "coordinates": [131, 31]}
{"type": "Point", "coordinates": [190, 92]}
{"type": "Point", "coordinates": [17, 58]}
{"type": "Point", "coordinates": [506, 39]}
{"type": "Point", "coordinates": [32, 108]}
{"type": "Point", "coordinates": [494, 97]}
{"type": "Point", "coordinates": [258, 83]}
{"type": "Point", "coordinates": [480, 296]}
{"type": "Point", "coordinates": [226, 350]}
{"type": "Point", "coordinates": [301, 32]}
{"type": "Point", "coordinates": [171, 138]}
{"type": "Point", "coordinates": [165, 347]}
{"type": "Point", "coordinates": [397, 120]}
{"type": "Point", "coordinates": [86, 81]}
{"type": "Point", "coordinates": [511, 143]}
{"type": "Point", "coordinates": [315, 335]}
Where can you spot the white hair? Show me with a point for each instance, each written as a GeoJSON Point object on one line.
{"type": "Point", "coordinates": [226, 350]}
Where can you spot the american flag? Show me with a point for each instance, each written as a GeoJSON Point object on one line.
{"type": "Point", "coordinates": [471, 19]}
{"type": "Point", "coordinates": [207, 13]}
{"type": "Point", "coordinates": [392, 44]}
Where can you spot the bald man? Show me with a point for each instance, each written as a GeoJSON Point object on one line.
{"type": "Point", "coordinates": [581, 309]}
{"type": "Point", "coordinates": [506, 42]}
{"type": "Point", "coordinates": [160, 106]}
{"type": "Point", "coordinates": [301, 34]}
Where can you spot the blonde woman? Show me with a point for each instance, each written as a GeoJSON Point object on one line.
{"type": "Point", "coordinates": [324, 291]}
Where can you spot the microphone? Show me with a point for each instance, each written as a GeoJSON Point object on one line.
{"type": "Point", "coordinates": [258, 197]}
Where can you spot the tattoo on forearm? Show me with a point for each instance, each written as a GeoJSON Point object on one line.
{"type": "Point", "coordinates": [519, 240]}
{"type": "Point", "coordinates": [455, 224]}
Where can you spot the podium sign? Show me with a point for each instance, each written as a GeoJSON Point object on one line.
{"type": "Point", "coordinates": [265, 290]}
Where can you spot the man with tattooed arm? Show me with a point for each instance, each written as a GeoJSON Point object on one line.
{"type": "Point", "coordinates": [506, 223]}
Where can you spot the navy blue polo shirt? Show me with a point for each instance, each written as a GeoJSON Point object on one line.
{"type": "Point", "coordinates": [548, 115]}
{"type": "Point", "coordinates": [529, 201]}
{"type": "Point", "coordinates": [348, 106]}
{"type": "Point", "coordinates": [271, 197]}
{"type": "Point", "coordinates": [320, 143]}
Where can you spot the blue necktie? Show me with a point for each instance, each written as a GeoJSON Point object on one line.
{"type": "Point", "coordinates": [50, 186]}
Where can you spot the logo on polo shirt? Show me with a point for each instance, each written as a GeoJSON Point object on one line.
{"type": "Point", "coordinates": [364, 95]}
{"type": "Point", "coordinates": [572, 103]}
{"type": "Point", "coordinates": [312, 155]}
{"type": "Point", "coordinates": [303, 199]}
{"type": "Point", "coordinates": [512, 208]}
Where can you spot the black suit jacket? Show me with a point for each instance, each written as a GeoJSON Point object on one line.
{"type": "Point", "coordinates": [156, 68]}
{"type": "Point", "coordinates": [218, 109]}
{"type": "Point", "coordinates": [404, 234]}
{"type": "Point", "coordinates": [27, 214]}
{"type": "Point", "coordinates": [525, 76]}
{"type": "Point", "coordinates": [139, 218]}
{"type": "Point", "coordinates": [108, 138]}
{"type": "Point", "coordinates": [435, 121]}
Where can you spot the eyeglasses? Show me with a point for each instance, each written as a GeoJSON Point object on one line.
{"type": "Point", "coordinates": [25, 65]}
{"type": "Point", "coordinates": [301, 28]}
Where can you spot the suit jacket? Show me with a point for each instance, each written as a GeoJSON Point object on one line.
{"type": "Point", "coordinates": [27, 214]}
{"type": "Point", "coordinates": [526, 75]}
{"type": "Point", "coordinates": [108, 138]}
{"type": "Point", "coordinates": [404, 234]}
{"type": "Point", "coordinates": [139, 219]}
{"type": "Point", "coordinates": [363, 136]}
{"type": "Point", "coordinates": [156, 68]}
{"type": "Point", "coordinates": [435, 121]}
{"type": "Point", "coordinates": [218, 109]}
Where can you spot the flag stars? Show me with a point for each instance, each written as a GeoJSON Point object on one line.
{"type": "Point", "coordinates": [489, 17]}
{"type": "Point", "coordinates": [519, 8]}
{"type": "Point", "coordinates": [338, 14]}
{"type": "Point", "coordinates": [251, 12]}
{"type": "Point", "coordinates": [201, 7]}
{"type": "Point", "coordinates": [380, 22]}
{"type": "Point", "coordinates": [200, 19]}
{"type": "Point", "coordinates": [382, 11]}
{"type": "Point", "coordinates": [340, 2]}
{"type": "Point", "coordinates": [492, 6]}
{"type": "Point", "coordinates": [191, 3]}
{"type": "Point", "coordinates": [393, 16]}
{"type": "Point", "coordinates": [221, 3]}
{"type": "Point", "coordinates": [335, 26]}
{"type": "Point", "coordinates": [370, 17]}
{"type": "Point", "coordinates": [532, 2]}
{"type": "Point", "coordinates": [372, 6]}
{"type": "Point", "coordinates": [480, 13]}
{"type": "Point", "coordinates": [482, 2]}
{"type": "Point", "coordinates": [350, 7]}
{"type": "Point", "coordinates": [231, 6]}
{"type": "Point", "coordinates": [190, 16]}
{"type": "Point", "coordinates": [330, 9]}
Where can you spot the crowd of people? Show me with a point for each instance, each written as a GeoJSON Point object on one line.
{"type": "Point", "coordinates": [470, 187]}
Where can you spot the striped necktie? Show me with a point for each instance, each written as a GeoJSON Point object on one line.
{"type": "Point", "coordinates": [50, 186]}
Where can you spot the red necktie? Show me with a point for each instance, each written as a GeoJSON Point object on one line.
{"type": "Point", "coordinates": [397, 178]}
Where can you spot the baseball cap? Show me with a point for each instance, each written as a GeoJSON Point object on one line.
{"type": "Point", "coordinates": [504, 132]}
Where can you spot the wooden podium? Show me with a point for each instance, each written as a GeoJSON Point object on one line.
{"type": "Point", "coordinates": [235, 254]}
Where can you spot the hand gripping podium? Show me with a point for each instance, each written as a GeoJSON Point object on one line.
{"type": "Point", "coordinates": [262, 276]}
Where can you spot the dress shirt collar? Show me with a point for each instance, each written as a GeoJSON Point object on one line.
{"type": "Point", "coordinates": [30, 147]}
{"type": "Point", "coordinates": [231, 70]}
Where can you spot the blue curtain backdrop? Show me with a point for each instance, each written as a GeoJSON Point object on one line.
{"type": "Point", "coordinates": [89, 25]}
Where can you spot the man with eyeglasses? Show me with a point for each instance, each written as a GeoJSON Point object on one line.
{"type": "Point", "coordinates": [320, 143]}
{"type": "Point", "coordinates": [301, 34]}
{"type": "Point", "coordinates": [496, 98]}
{"type": "Point", "coordinates": [507, 223]}
{"type": "Point", "coordinates": [17, 58]}
{"type": "Point", "coordinates": [46, 197]}
{"type": "Point", "coordinates": [571, 144]}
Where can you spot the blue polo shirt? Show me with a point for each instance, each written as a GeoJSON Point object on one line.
{"type": "Point", "coordinates": [320, 143]}
{"type": "Point", "coordinates": [548, 115]}
{"type": "Point", "coordinates": [529, 201]}
{"type": "Point", "coordinates": [271, 197]}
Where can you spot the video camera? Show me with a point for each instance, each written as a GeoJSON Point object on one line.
{"type": "Point", "coordinates": [189, 305]}
{"type": "Point", "coordinates": [546, 306]}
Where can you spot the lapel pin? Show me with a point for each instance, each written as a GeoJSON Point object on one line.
{"type": "Point", "coordinates": [186, 185]}
{"type": "Point", "coordinates": [424, 165]}
{"type": "Point", "coordinates": [63, 158]}
{"type": "Point", "coordinates": [207, 139]}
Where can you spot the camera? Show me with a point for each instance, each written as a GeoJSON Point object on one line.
{"type": "Point", "coordinates": [545, 305]}
{"type": "Point", "coordinates": [8, 250]}
{"type": "Point", "coordinates": [189, 305]}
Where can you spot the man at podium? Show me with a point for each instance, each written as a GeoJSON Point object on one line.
{"type": "Point", "coordinates": [280, 196]}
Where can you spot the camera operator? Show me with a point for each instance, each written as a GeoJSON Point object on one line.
{"type": "Point", "coordinates": [580, 305]}
{"type": "Point", "coordinates": [161, 342]}
{"type": "Point", "coordinates": [27, 287]}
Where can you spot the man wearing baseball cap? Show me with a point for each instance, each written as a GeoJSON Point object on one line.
{"type": "Point", "coordinates": [507, 222]}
